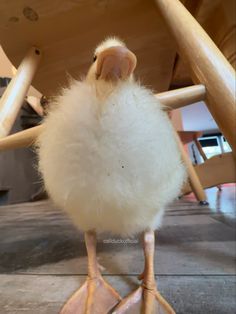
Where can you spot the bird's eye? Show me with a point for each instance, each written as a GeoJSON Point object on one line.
{"type": "Point", "coordinates": [94, 58]}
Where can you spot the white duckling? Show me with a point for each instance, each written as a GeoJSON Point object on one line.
{"type": "Point", "coordinates": [109, 158]}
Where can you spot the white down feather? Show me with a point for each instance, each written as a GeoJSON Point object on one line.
{"type": "Point", "coordinates": [112, 164]}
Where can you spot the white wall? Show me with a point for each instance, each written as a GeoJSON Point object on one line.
{"type": "Point", "coordinates": [197, 117]}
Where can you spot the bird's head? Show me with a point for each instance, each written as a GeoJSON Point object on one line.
{"type": "Point", "coordinates": [113, 63]}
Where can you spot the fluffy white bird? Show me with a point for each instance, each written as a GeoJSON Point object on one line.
{"type": "Point", "coordinates": [109, 158]}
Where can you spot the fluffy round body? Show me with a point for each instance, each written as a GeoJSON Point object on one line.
{"type": "Point", "coordinates": [112, 163]}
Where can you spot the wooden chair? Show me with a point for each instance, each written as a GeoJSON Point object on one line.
{"type": "Point", "coordinates": [209, 67]}
{"type": "Point", "coordinates": [192, 136]}
{"type": "Point", "coordinates": [57, 48]}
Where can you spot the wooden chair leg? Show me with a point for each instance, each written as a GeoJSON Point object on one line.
{"type": "Point", "coordinates": [193, 177]}
{"type": "Point", "coordinates": [199, 147]}
{"type": "Point", "coordinates": [171, 100]}
{"type": "Point", "coordinates": [216, 170]}
{"type": "Point", "coordinates": [21, 139]}
{"type": "Point", "coordinates": [201, 151]}
{"type": "Point", "coordinates": [13, 97]}
{"type": "Point", "coordinates": [207, 63]}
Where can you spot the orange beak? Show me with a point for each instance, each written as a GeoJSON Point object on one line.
{"type": "Point", "coordinates": [115, 63]}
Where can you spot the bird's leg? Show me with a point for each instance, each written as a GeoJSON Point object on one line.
{"type": "Point", "coordinates": [146, 299]}
{"type": "Point", "coordinates": [93, 270]}
{"type": "Point", "coordinates": [148, 242]}
{"type": "Point", "coordinates": [95, 295]}
{"type": "Point", "coordinates": [149, 283]}
{"type": "Point", "coordinates": [91, 242]}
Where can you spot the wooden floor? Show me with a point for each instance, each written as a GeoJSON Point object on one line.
{"type": "Point", "coordinates": [43, 258]}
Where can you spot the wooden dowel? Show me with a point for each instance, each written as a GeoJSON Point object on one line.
{"type": "Point", "coordinates": [181, 97]}
{"type": "Point", "coordinates": [192, 175]}
{"type": "Point", "coordinates": [13, 97]}
{"type": "Point", "coordinates": [199, 147]}
{"type": "Point", "coordinates": [214, 171]}
{"type": "Point", "coordinates": [202, 153]}
{"type": "Point", "coordinates": [21, 139]}
{"type": "Point", "coordinates": [34, 103]}
{"type": "Point", "coordinates": [207, 63]}
{"type": "Point", "coordinates": [172, 99]}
